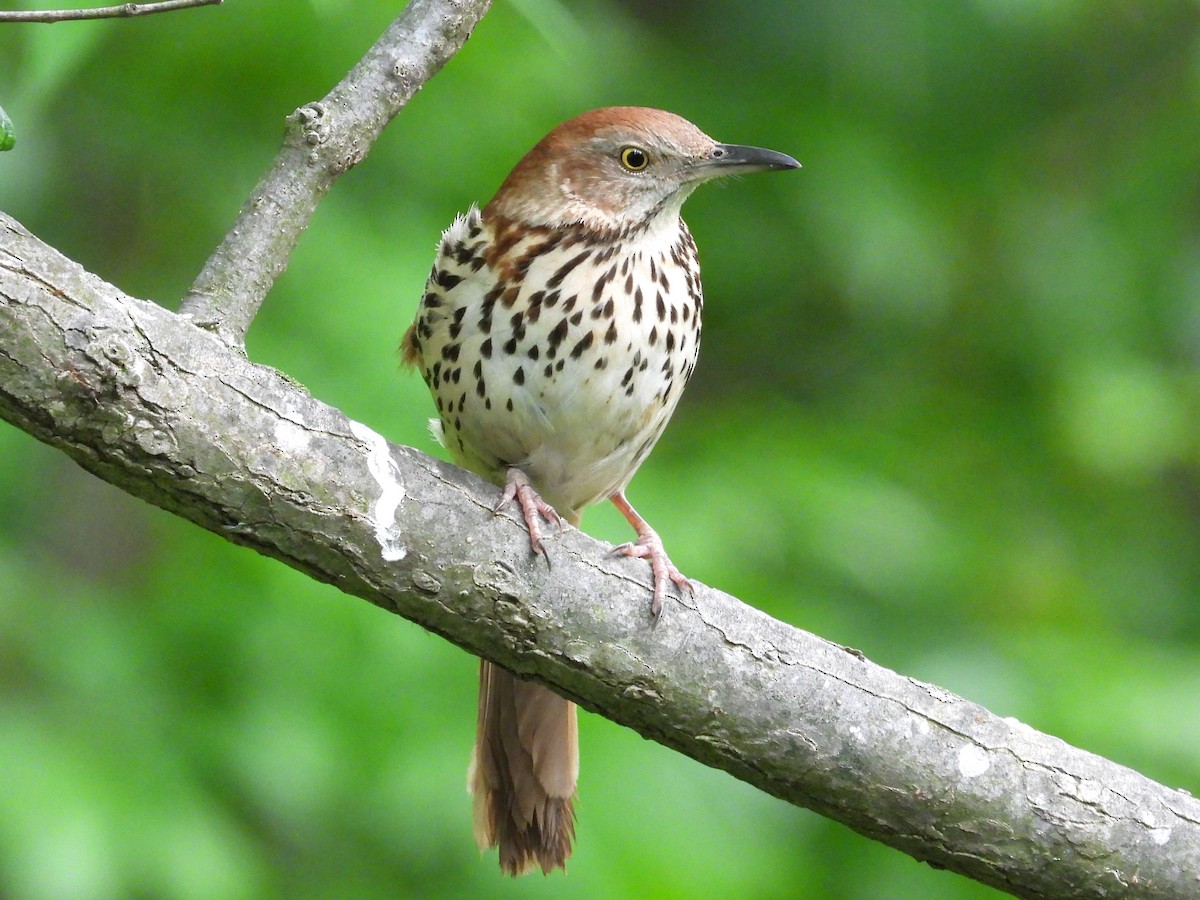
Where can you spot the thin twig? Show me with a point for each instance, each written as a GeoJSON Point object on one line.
{"type": "Point", "coordinates": [120, 11]}
{"type": "Point", "coordinates": [322, 140]}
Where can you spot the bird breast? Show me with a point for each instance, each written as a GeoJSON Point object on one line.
{"type": "Point", "coordinates": [558, 351]}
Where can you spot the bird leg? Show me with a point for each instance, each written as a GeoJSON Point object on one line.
{"type": "Point", "coordinates": [650, 546]}
{"type": "Point", "coordinates": [533, 508]}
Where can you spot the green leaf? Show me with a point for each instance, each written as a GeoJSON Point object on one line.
{"type": "Point", "coordinates": [7, 136]}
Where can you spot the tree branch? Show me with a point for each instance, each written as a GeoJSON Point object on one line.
{"type": "Point", "coordinates": [172, 414]}
{"type": "Point", "coordinates": [122, 10]}
{"type": "Point", "coordinates": [322, 141]}
{"type": "Point", "coordinates": [175, 414]}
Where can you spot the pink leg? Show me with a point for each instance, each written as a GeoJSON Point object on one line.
{"type": "Point", "coordinates": [532, 506]}
{"type": "Point", "coordinates": [650, 546]}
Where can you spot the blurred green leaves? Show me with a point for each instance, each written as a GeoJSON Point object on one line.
{"type": "Point", "coordinates": [8, 135]}
{"type": "Point", "coordinates": [946, 412]}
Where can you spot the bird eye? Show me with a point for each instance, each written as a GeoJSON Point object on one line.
{"type": "Point", "coordinates": [634, 158]}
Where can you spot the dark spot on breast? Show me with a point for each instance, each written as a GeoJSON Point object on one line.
{"type": "Point", "coordinates": [459, 314]}
{"type": "Point", "coordinates": [582, 344]}
{"type": "Point", "coordinates": [598, 287]}
{"type": "Point", "coordinates": [565, 269]}
{"type": "Point", "coordinates": [558, 334]}
{"type": "Point", "coordinates": [534, 309]}
{"type": "Point", "coordinates": [485, 307]}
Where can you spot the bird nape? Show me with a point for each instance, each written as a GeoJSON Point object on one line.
{"type": "Point", "coordinates": [556, 333]}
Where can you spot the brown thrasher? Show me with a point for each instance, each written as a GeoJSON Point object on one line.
{"type": "Point", "coordinates": [556, 333]}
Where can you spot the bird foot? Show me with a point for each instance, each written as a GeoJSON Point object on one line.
{"type": "Point", "coordinates": [650, 546]}
{"type": "Point", "coordinates": [533, 509]}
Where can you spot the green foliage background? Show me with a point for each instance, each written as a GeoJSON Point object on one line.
{"type": "Point", "coordinates": [945, 413]}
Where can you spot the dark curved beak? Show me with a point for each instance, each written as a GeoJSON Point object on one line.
{"type": "Point", "coordinates": [738, 159]}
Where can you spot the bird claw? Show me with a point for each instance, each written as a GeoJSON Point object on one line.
{"type": "Point", "coordinates": [650, 546]}
{"type": "Point", "coordinates": [533, 508]}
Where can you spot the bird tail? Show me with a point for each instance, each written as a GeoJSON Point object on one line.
{"type": "Point", "coordinates": [523, 772]}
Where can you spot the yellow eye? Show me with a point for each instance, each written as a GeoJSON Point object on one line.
{"type": "Point", "coordinates": [634, 158]}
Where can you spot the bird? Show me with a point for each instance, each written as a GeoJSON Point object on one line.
{"type": "Point", "coordinates": [556, 332]}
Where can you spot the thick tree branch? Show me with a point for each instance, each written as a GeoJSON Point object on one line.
{"type": "Point", "coordinates": [176, 415]}
{"type": "Point", "coordinates": [322, 141]}
{"type": "Point", "coordinates": [120, 11]}
{"type": "Point", "coordinates": [172, 414]}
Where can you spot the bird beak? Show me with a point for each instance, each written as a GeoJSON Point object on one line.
{"type": "Point", "coordinates": [736, 159]}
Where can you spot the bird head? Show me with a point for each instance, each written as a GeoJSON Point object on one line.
{"type": "Point", "coordinates": [618, 169]}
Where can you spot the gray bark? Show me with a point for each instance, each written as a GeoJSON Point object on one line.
{"type": "Point", "coordinates": [172, 414]}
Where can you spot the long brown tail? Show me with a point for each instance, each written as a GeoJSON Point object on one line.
{"type": "Point", "coordinates": [523, 772]}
